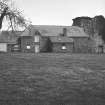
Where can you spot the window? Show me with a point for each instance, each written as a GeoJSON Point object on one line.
{"type": "Point", "coordinates": [28, 47]}
{"type": "Point", "coordinates": [36, 39]}
{"type": "Point", "coordinates": [16, 46]}
{"type": "Point", "coordinates": [63, 46]}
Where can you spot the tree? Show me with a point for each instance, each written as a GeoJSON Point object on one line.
{"type": "Point", "coordinates": [99, 22]}
{"type": "Point", "coordinates": [92, 25]}
{"type": "Point", "coordinates": [13, 16]}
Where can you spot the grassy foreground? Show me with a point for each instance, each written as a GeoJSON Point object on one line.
{"type": "Point", "coordinates": [52, 79]}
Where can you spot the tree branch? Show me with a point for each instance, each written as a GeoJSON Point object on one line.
{"type": "Point", "coordinates": [3, 14]}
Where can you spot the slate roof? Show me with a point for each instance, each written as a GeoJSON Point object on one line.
{"type": "Point", "coordinates": [61, 40]}
{"type": "Point", "coordinates": [44, 30]}
{"type": "Point", "coordinates": [52, 30]}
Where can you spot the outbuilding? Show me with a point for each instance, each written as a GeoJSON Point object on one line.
{"type": "Point", "coordinates": [8, 41]}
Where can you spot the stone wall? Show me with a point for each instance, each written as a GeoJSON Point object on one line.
{"type": "Point", "coordinates": [81, 45]}
{"type": "Point", "coordinates": [57, 48]}
{"type": "Point", "coordinates": [27, 41]}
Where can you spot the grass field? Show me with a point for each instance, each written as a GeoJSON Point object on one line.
{"type": "Point", "coordinates": [52, 79]}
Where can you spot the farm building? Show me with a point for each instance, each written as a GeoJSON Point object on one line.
{"type": "Point", "coordinates": [45, 38]}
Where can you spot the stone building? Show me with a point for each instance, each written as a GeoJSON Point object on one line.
{"type": "Point", "coordinates": [43, 38]}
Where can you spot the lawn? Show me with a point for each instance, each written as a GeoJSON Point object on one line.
{"type": "Point", "coordinates": [52, 79]}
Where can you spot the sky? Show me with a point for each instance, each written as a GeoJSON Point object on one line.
{"type": "Point", "coordinates": [59, 12]}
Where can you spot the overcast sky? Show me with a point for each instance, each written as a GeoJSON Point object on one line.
{"type": "Point", "coordinates": [59, 12]}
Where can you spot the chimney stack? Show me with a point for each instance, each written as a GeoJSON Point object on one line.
{"type": "Point", "coordinates": [64, 31]}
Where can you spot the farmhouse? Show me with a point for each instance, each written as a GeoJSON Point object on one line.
{"type": "Point", "coordinates": [45, 38]}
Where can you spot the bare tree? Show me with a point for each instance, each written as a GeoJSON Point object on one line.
{"type": "Point", "coordinates": [13, 16]}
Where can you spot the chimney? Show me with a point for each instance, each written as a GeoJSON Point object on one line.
{"type": "Point", "coordinates": [64, 31]}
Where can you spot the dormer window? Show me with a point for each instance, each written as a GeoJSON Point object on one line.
{"type": "Point", "coordinates": [63, 46]}
{"type": "Point", "coordinates": [28, 47]}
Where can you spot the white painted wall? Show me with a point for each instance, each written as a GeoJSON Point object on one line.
{"type": "Point", "coordinates": [37, 49]}
{"type": "Point", "coordinates": [3, 47]}
{"type": "Point", "coordinates": [36, 38]}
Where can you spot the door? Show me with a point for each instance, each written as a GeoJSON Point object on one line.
{"type": "Point", "coordinates": [37, 49]}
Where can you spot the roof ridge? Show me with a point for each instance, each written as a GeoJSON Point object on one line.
{"type": "Point", "coordinates": [53, 30]}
